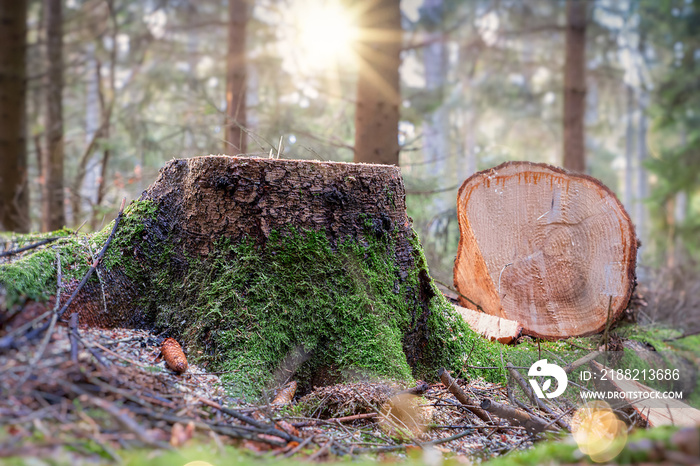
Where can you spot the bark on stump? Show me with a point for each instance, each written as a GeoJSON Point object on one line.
{"type": "Point", "coordinates": [552, 250]}
{"type": "Point", "coordinates": [271, 268]}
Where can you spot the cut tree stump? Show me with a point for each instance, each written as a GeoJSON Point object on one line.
{"type": "Point", "coordinates": [552, 250]}
{"type": "Point", "coordinates": [265, 269]}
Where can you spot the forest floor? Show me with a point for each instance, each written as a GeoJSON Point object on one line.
{"type": "Point", "coordinates": [117, 396]}
{"type": "Point", "coordinates": [111, 401]}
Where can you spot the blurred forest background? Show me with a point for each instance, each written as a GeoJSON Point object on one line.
{"type": "Point", "coordinates": [95, 95]}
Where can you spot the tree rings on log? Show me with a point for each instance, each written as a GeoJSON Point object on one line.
{"type": "Point", "coordinates": [552, 250]}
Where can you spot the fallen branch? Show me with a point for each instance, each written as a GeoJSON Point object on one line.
{"type": "Point", "coordinates": [127, 421]}
{"type": "Point", "coordinates": [323, 450]}
{"type": "Point", "coordinates": [266, 429]}
{"type": "Point", "coordinates": [145, 408]}
{"type": "Point", "coordinates": [420, 388]}
{"type": "Point", "coordinates": [299, 447]}
{"type": "Point", "coordinates": [337, 420]}
{"type": "Point", "coordinates": [233, 431]}
{"type": "Point", "coordinates": [30, 246]}
{"type": "Point", "coordinates": [532, 424]}
{"type": "Point", "coordinates": [569, 368]}
{"type": "Point", "coordinates": [535, 400]}
{"type": "Point", "coordinates": [73, 337]}
{"type": "Point", "coordinates": [463, 398]}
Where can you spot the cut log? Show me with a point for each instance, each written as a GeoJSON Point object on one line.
{"type": "Point", "coordinates": [494, 328]}
{"type": "Point", "coordinates": [266, 269]}
{"type": "Point", "coordinates": [552, 250]}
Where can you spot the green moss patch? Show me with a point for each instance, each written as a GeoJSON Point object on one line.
{"type": "Point", "coordinates": [33, 276]}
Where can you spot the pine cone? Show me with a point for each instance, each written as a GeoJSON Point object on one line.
{"type": "Point", "coordinates": [174, 357]}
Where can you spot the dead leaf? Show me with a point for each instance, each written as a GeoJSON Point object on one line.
{"type": "Point", "coordinates": [180, 434]}
{"type": "Point", "coordinates": [288, 428]}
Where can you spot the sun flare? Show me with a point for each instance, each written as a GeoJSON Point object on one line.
{"type": "Point", "coordinates": [325, 33]}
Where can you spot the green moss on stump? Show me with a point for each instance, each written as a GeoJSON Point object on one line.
{"type": "Point", "coordinates": [293, 306]}
{"type": "Point", "coordinates": [261, 312]}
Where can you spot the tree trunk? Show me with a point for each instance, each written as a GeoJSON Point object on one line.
{"type": "Point", "coordinates": [52, 214]}
{"type": "Point", "coordinates": [378, 93]}
{"type": "Point", "coordinates": [14, 192]}
{"type": "Point", "coordinates": [575, 86]}
{"type": "Point", "coordinates": [642, 183]}
{"type": "Point", "coordinates": [236, 139]}
{"type": "Point", "coordinates": [436, 127]}
{"type": "Point", "coordinates": [552, 250]}
{"type": "Point", "coordinates": [259, 262]}
{"type": "Point", "coordinates": [629, 149]}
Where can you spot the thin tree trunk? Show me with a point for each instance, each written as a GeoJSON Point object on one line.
{"type": "Point", "coordinates": [53, 216]}
{"type": "Point", "coordinates": [575, 86]}
{"type": "Point", "coordinates": [378, 94]}
{"type": "Point", "coordinates": [106, 101]}
{"type": "Point", "coordinates": [468, 57]}
{"type": "Point", "coordinates": [629, 150]}
{"type": "Point", "coordinates": [236, 140]}
{"type": "Point", "coordinates": [436, 126]}
{"type": "Point", "coordinates": [435, 65]}
{"type": "Point", "coordinates": [14, 192]}
{"type": "Point", "coordinates": [101, 186]}
{"type": "Point", "coordinates": [35, 116]}
{"type": "Point", "coordinates": [83, 191]}
{"type": "Point", "coordinates": [680, 213]}
{"type": "Point", "coordinates": [642, 185]}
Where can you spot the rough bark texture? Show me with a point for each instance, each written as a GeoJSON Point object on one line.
{"type": "Point", "coordinates": [268, 267]}
{"type": "Point", "coordinates": [236, 139]}
{"type": "Point", "coordinates": [14, 193]}
{"type": "Point", "coordinates": [575, 87]}
{"type": "Point", "coordinates": [543, 247]}
{"type": "Point", "coordinates": [378, 93]}
{"type": "Point", "coordinates": [52, 213]}
{"type": "Point", "coordinates": [211, 198]}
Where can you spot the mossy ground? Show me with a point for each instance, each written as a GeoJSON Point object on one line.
{"type": "Point", "coordinates": [34, 275]}
{"type": "Point", "coordinates": [565, 451]}
{"type": "Point", "coordinates": [295, 305]}
{"type": "Point", "coordinates": [642, 446]}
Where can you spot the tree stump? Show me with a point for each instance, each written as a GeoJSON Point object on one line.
{"type": "Point", "coordinates": [267, 269]}
{"type": "Point", "coordinates": [552, 250]}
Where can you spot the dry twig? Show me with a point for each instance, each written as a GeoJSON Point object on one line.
{"type": "Point", "coordinates": [463, 398]}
